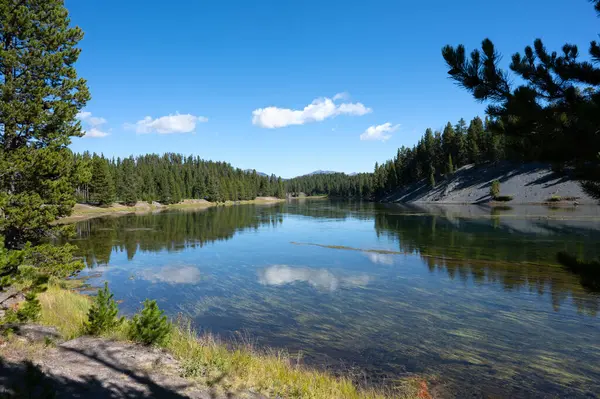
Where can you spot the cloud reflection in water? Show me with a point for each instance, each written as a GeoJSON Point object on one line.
{"type": "Point", "coordinates": [321, 279]}
{"type": "Point", "coordinates": [380, 259]}
{"type": "Point", "coordinates": [172, 275]}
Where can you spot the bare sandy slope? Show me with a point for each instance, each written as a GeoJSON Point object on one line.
{"type": "Point", "coordinates": [531, 183]}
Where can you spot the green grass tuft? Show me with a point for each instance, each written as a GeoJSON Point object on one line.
{"type": "Point", "coordinates": [64, 309]}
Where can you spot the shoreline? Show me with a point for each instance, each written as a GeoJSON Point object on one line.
{"type": "Point", "coordinates": [85, 212]}
{"type": "Point", "coordinates": [202, 361]}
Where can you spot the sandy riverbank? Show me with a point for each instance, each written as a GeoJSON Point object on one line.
{"type": "Point", "coordinates": [85, 211]}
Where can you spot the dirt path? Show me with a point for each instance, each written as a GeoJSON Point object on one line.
{"type": "Point", "coordinates": [89, 367]}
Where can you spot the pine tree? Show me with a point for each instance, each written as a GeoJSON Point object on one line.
{"type": "Point", "coordinates": [31, 309]}
{"type": "Point", "coordinates": [553, 112]}
{"type": "Point", "coordinates": [473, 137]}
{"type": "Point", "coordinates": [448, 141]}
{"type": "Point", "coordinates": [280, 188]}
{"type": "Point", "coordinates": [199, 187]}
{"type": "Point", "coordinates": [432, 178]}
{"type": "Point", "coordinates": [102, 316]}
{"type": "Point", "coordinates": [175, 196]}
{"type": "Point", "coordinates": [429, 143]}
{"type": "Point", "coordinates": [129, 190]}
{"type": "Point", "coordinates": [495, 189]}
{"type": "Point", "coordinates": [460, 145]}
{"type": "Point", "coordinates": [450, 165]}
{"type": "Point", "coordinates": [150, 326]}
{"type": "Point", "coordinates": [213, 193]}
{"type": "Point", "coordinates": [102, 188]}
{"type": "Point", "coordinates": [40, 96]}
{"type": "Point", "coordinates": [164, 188]}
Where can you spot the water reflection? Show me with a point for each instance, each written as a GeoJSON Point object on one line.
{"type": "Point", "coordinates": [380, 259]}
{"type": "Point", "coordinates": [319, 278]}
{"type": "Point", "coordinates": [517, 253]}
{"type": "Point", "coordinates": [469, 297]}
{"type": "Point", "coordinates": [168, 231]}
{"type": "Point", "coordinates": [172, 275]}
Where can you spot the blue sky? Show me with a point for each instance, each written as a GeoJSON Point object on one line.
{"type": "Point", "coordinates": [231, 80]}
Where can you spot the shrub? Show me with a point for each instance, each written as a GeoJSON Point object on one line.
{"type": "Point", "coordinates": [150, 326]}
{"type": "Point", "coordinates": [102, 316]}
{"type": "Point", "coordinates": [52, 260]}
{"type": "Point", "coordinates": [31, 310]}
{"type": "Point", "coordinates": [495, 189]}
{"type": "Point", "coordinates": [503, 198]}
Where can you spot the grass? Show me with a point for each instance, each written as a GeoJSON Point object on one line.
{"type": "Point", "coordinates": [225, 367]}
{"type": "Point", "coordinates": [65, 309]}
{"type": "Point", "coordinates": [244, 367]}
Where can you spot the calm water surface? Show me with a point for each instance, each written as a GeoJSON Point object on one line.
{"type": "Point", "coordinates": [468, 297]}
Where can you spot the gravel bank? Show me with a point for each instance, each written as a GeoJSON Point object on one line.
{"type": "Point", "coordinates": [531, 183]}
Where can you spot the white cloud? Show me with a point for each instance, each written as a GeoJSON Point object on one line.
{"type": "Point", "coordinates": [96, 121]}
{"type": "Point", "coordinates": [379, 132]}
{"type": "Point", "coordinates": [92, 125]}
{"type": "Point", "coordinates": [95, 133]}
{"type": "Point", "coordinates": [317, 111]}
{"type": "Point", "coordinates": [83, 115]}
{"type": "Point", "coordinates": [178, 123]}
{"type": "Point", "coordinates": [342, 96]}
{"type": "Point", "coordinates": [322, 279]}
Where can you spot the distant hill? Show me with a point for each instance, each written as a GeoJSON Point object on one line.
{"type": "Point", "coordinates": [326, 172]}
{"type": "Point", "coordinates": [322, 172]}
{"type": "Point", "coordinates": [257, 172]}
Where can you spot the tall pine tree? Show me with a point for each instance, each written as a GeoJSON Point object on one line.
{"type": "Point", "coordinates": [102, 187]}
{"type": "Point", "coordinates": [40, 96]}
{"type": "Point", "coordinates": [130, 184]}
{"type": "Point", "coordinates": [553, 112]}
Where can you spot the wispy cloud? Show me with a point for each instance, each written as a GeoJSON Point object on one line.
{"type": "Point", "coordinates": [317, 111]}
{"type": "Point", "coordinates": [344, 96]}
{"type": "Point", "coordinates": [379, 132]}
{"type": "Point", "coordinates": [178, 123]}
{"type": "Point", "coordinates": [92, 125]}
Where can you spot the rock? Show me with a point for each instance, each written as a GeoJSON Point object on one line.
{"type": "Point", "coordinates": [34, 332]}
{"type": "Point", "coordinates": [10, 298]}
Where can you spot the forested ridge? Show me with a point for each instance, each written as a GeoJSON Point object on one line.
{"type": "Point", "coordinates": [435, 156]}
{"type": "Point", "coordinates": [168, 179]}
{"type": "Point", "coordinates": [552, 115]}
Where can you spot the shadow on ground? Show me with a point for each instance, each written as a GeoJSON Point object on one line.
{"type": "Point", "coordinates": [27, 380]}
{"type": "Point", "coordinates": [89, 367]}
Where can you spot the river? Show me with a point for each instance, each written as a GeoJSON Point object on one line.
{"type": "Point", "coordinates": [468, 297]}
